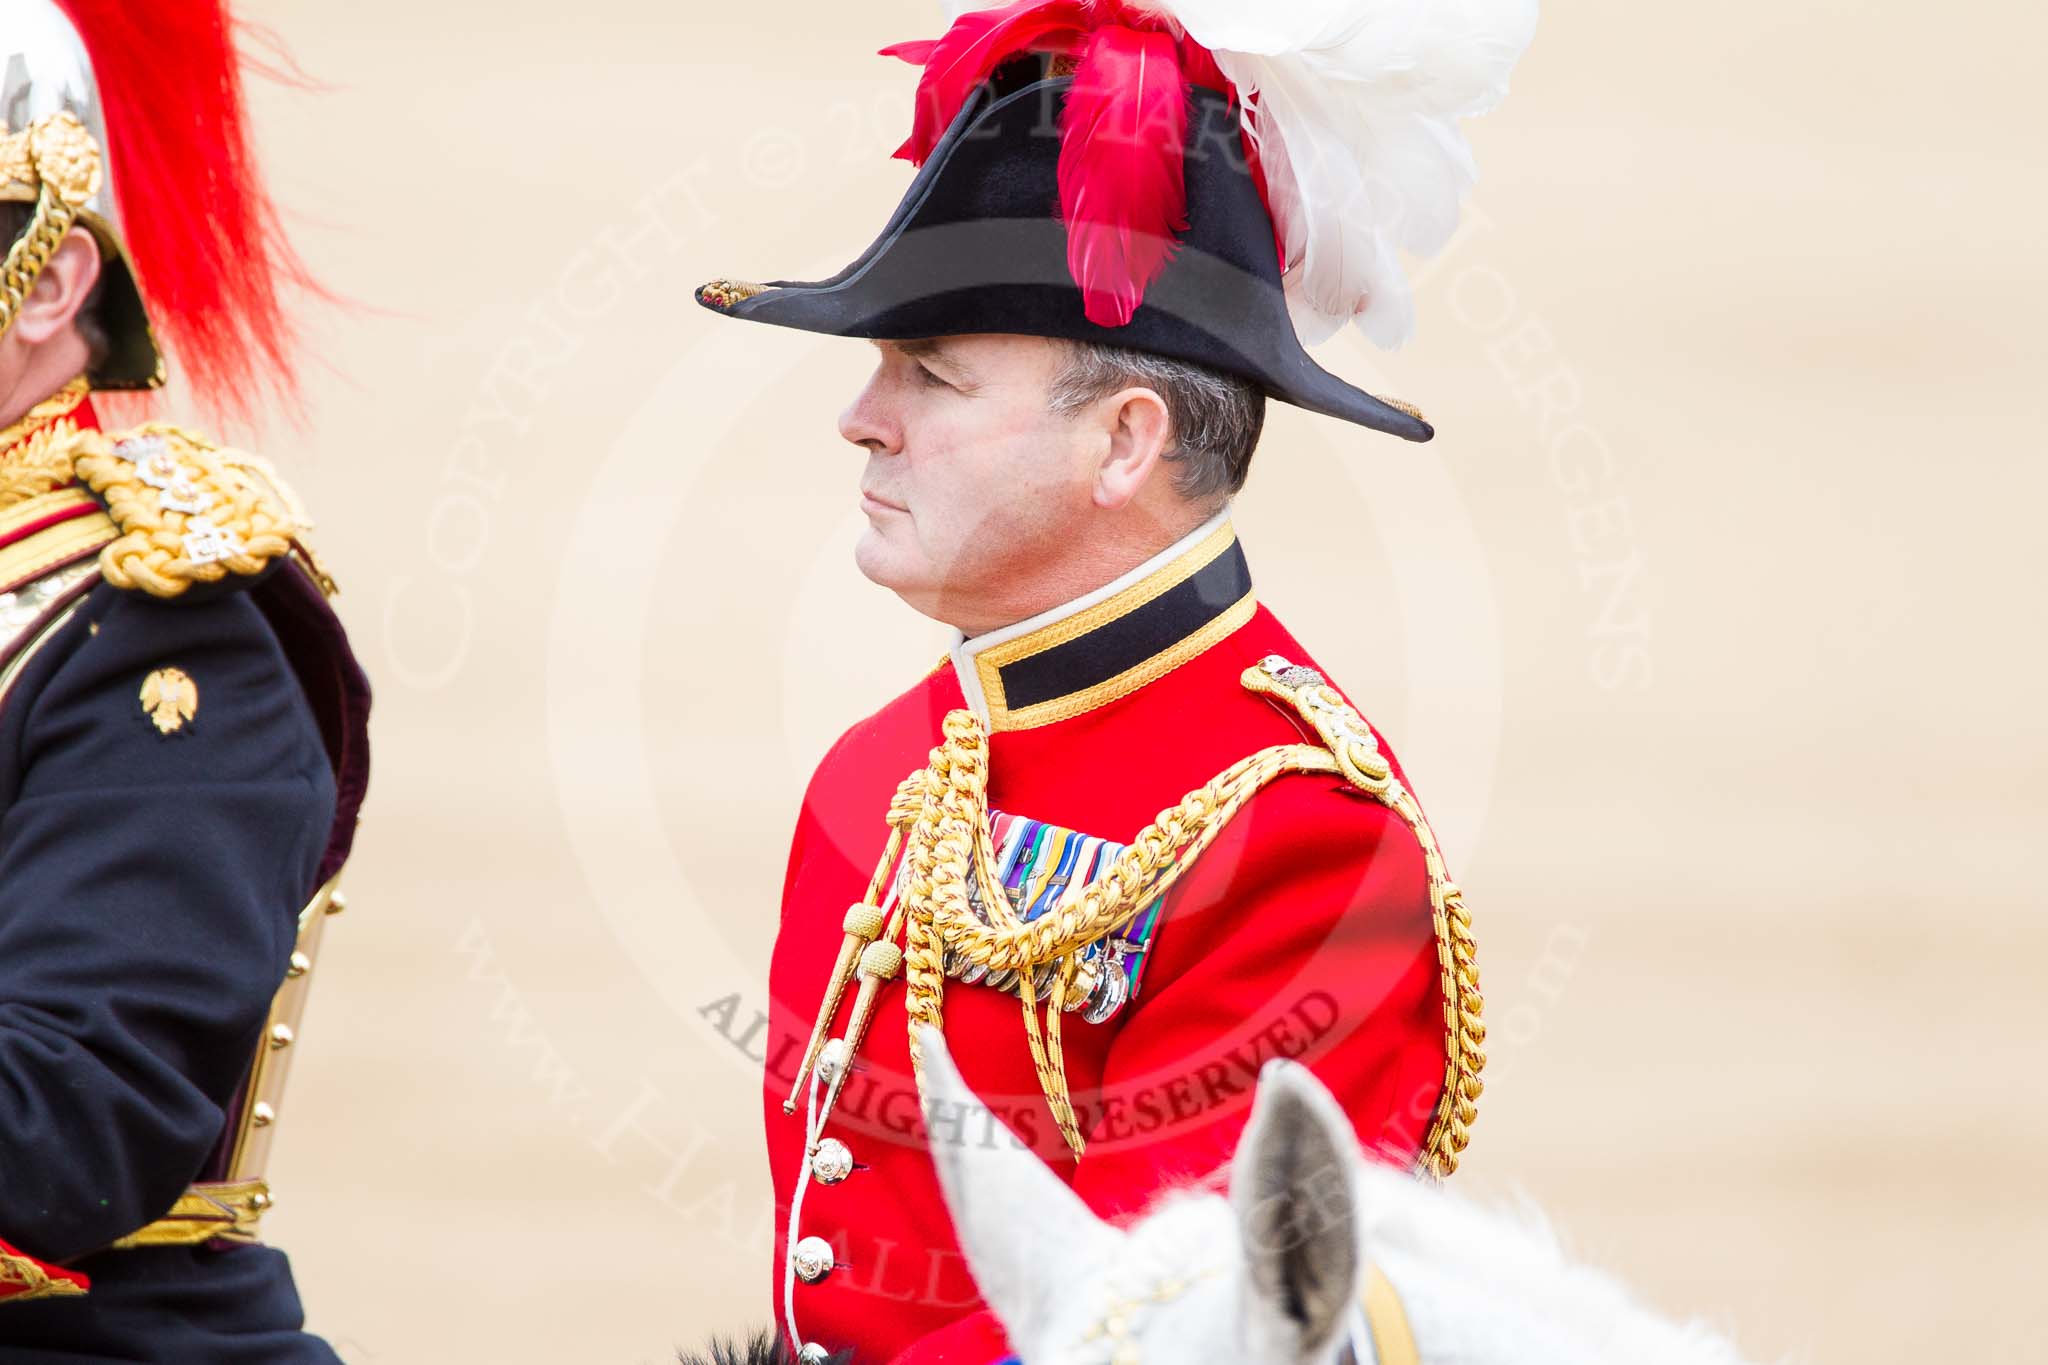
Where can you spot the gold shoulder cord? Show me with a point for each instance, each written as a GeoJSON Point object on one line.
{"type": "Point", "coordinates": [188, 511]}
{"type": "Point", "coordinates": [939, 825]}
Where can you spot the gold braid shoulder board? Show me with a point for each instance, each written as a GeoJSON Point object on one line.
{"type": "Point", "coordinates": [186, 511]}
{"type": "Point", "coordinates": [939, 825]}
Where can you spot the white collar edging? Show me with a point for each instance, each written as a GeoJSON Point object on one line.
{"type": "Point", "coordinates": [964, 650]}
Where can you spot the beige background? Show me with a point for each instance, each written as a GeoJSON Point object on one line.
{"type": "Point", "coordinates": [1702, 625]}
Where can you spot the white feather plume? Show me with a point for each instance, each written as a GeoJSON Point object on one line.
{"type": "Point", "coordinates": [1355, 107]}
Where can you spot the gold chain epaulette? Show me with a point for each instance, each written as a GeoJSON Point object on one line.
{"type": "Point", "coordinates": [187, 510]}
{"type": "Point", "coordinates": [939, 827]}
{"type": "Point", "coordinates": [56, 157]}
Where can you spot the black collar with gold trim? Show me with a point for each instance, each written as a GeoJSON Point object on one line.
{"type": "Point", "coordinates": [1111, 642]}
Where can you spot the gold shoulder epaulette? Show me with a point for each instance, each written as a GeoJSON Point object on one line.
{"type": "Point", "coordinates": [1357, 753]}
{"type": "Point", "coordinates": [1340, 728]}
{"type": "Point", "coordinates": [188, 511]}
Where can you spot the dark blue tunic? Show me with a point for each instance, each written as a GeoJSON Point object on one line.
{"type": "Point", "coordinates": [149, 889]}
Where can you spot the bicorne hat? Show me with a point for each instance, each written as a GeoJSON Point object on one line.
{"type": "Point", "coordinates": [1205, 180]}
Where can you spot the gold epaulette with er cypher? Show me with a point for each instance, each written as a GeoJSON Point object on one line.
{"type": "Point", "coordinates": [939, 830]}
{"type": "Point", "coordinates": [185, 510]}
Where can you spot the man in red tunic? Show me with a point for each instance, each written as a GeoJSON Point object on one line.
{"type": "Point", "coordinates": [1124, 844]}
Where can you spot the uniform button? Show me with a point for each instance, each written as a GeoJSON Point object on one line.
{"type": "Point", "coordinates": [831, 1060]}
{"type": "Point", "coordinates": [813, 1257]}
{"type": "Point", "coordinates": [813, 1354]}
{"type": "Point", "coordinates": [832, 1162]}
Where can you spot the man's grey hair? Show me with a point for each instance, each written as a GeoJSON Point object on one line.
{"type": "Point", "coordinates": [1216, 417]}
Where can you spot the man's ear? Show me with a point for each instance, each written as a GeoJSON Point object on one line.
{"type": "Point", "coordinates": [61, 290]}
{"type": "Point", "coordinates": [1140, 433]}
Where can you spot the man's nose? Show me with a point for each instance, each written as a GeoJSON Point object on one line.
{"type": "Point", "coordinates": [868, 424]}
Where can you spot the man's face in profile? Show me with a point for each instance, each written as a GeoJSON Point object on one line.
{"type": "Point", "coordinates": [971, 479]}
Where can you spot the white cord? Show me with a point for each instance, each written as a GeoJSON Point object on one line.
{"type": "Point", "coordinates": [814, 1128]}
{"type": "Point", "coordinates": [813, 1125]}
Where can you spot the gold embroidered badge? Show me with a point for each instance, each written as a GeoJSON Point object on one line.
{"type": "Point", "coordinates": [169, 699]}
{"type": "Point", "coordinates": [724, 294]}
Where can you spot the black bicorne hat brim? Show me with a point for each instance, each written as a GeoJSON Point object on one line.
{"type": "Point", "coordinates": [977, 245]}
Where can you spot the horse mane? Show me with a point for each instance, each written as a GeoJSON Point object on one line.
{"type": "Point", "coordinates": [763, 1348]}
{"type": "Point", "coordinates": [1448, 1256]}
{"type": "Point", "coordinates": [1445, 1253]}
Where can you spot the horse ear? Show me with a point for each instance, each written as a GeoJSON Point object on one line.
{"type": "Point", "coordinates": [1293, 1183]}
{"type": "Point", "coordinates": [1027, 1236]}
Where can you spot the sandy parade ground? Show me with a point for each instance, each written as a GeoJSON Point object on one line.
{"type": "Point", "coordinates": [1706, 627]}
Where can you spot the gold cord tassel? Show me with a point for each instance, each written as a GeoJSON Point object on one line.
{"type": "Point", "coordinates": [863, 921]}
{"type": "Point", "coordinates": [879, 963]}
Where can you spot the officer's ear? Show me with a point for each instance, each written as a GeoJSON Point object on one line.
{"type": "Point", "coordinates": [61, 291]}
{"type": "Point", "coordinates": [1140, 431]}
{"type": "Point", "coordinates": [1023, 1230]}
{"type": "Point", "coordinates": [1294, 1185]}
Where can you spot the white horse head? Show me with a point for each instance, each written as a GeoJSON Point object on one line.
{"type": "Point", "coordinates": [1276, 1272]}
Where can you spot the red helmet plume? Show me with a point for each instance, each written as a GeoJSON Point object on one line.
{"type": "Point", "coordinates": [203, 238]}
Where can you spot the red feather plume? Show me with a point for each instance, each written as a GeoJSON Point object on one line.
{"type": "Point", "coordinates": [970, 51]}
{"type": "Point", "coordinates": [203, 237]}
{"type": "Point", "coordinates": [1122, 190]}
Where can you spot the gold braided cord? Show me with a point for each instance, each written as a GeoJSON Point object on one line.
{"type": "Point", "coordinates": [952, 826]}
{"type": "Point", "coordinates": [1465, 1030]}
{"type": "Point", "coordinates": [939, 821]}
{"type": "Point", "coordinates": [1458, 977]}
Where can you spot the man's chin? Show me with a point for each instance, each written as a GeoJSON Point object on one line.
{"type": "Point", "coordinates": [880, 562]}
{"type": "Point", "coordinates": [905, 574]}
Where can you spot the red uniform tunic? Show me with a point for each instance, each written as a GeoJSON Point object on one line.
{"type": "Point", "coordinates": [1304, 931]}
